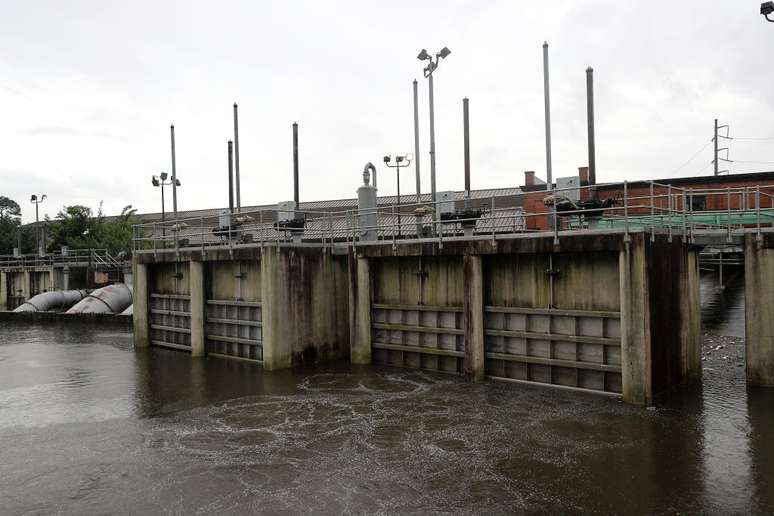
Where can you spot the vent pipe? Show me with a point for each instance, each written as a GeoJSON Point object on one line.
{"type": "Point", "coordinates": [236, 160]}
{"type": "Point", "coordinates": [590, 118]}
{"type": "Point", "coordinates": [295, 165]}
{"type": "Point", "coordinates": [547, 95]}
{"type": "Point", "coordinates": [230, 177]}
{"type": "Point", "coordinates": [466, 139]}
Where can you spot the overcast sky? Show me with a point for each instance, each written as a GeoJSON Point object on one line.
{"type": "Point", "coordinates": [88, 91]}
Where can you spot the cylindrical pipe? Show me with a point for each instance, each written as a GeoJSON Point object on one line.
{"type": "Point", "coordinates": [110, 299]}
{"type": "Point", "coordinates": [547, 97]}
{"type": "Point", "coordinates": [432, 147]}
{"type": "Point", "coordinates": [416, 142]}
{"type": "Point", "coordinates": [466, 139]}
{"type": "Point", "coordinates": [230, 176]}
{"type": "Point", "coordinates": [53, 300]}
{"type": "Point", "coordinates": [590, 117]}
{"type": "Point", "coordinates": [236, 160]}
{"type": "Point", "coordinates": [174, 172]}
{"type": "Point", "coordinates": [295, 165]}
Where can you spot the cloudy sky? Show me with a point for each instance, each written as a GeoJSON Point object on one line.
{"type": "Point", "coordinates": [88, 90]}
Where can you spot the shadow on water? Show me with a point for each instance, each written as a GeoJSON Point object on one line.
{"type": "Point", "coordinates": [722, 308]}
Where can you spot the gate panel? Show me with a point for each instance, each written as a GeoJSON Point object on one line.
{"type": "Point", "coordinates": [418, 336]}
{"type": "Point", "coordinates": [170, 321]}
{"type": "Point", "coordinates": [234, 329]}
{"type": "Point", "coordinates": [569, 348]}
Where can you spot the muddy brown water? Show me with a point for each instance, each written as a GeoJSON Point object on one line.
{"type": "Point", "coordinates": [90, 426]}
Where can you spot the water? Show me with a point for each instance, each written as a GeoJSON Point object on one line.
{"type": "Point", "coordinates": [90, 426]}
{"type": "Point", "coordinates": [722, 308]}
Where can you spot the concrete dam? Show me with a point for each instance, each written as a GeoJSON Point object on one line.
{"type": "Point", "coordinates": [613, 311]}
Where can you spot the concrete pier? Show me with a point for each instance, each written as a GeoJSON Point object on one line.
{"type": "Point", "coordinates": [759, 309]}
{"type": "Point", "coordinates": [360, 345]}
{"type": "Point", "coordinates": [196, 271]}
{"type": "Point", "coordinates": [473, 314]}
{"type": "Point", "coordinates": [141, 307]}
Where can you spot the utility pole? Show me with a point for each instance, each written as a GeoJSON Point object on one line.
{"type": "Point", "coordinates": [717, 159]}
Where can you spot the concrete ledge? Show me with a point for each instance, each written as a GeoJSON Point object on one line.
{"type": "Point", "coordinates": [35, 317]}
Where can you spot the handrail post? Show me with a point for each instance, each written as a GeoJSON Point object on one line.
{"type": "Point", "coordinates": [201, 225]}
{"type": "Point", "coordinates": [669, 211]}
{"type": "Point", "coordinates": [652, 214]}
{"type": "Point", "coordinates": [685, 236]}
{"type": "Point", "coordinates": [626, 210]}
{"type": "Point", "coordinates": [758, 211]}
{"type": "Point", "coordinates": [728, 202]}
{"type": "Point", "coordinates": [493, 219]}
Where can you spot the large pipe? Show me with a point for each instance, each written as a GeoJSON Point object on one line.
{"type": "Point", "coordinates": [547, 97]}
{"type": "Point", "coordinates": [54, 300]}
{"type": "Point", "coordinates": [295, 165]}
{"type": "Point", "coordinates": [466, 140]}
{"type": "Point", "coordinates": [110, 299]}
{"type": "Point", "coordinates": [590, 117]}
{"type": "Point", "coordinates": [416, 142]}
{"type": "Point", "coordinates": [230, 176]}
{"type": "Point", "coordinates": [236, 160]}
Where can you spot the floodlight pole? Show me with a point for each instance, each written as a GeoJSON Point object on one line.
{"type": "Point", "coordinates": [432, 147]}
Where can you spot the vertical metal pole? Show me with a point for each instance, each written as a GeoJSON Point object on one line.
{"type": "Point", "coordinates": [652, 214]}
{"type": "Point", "coordinates": [230, 178]}
{"type": "Point", "coordinates": [236, 160]}
{"type": "Point", "coordinates": [397, 170]}
{"type": "Point", "coordinates": [626, 209]}
{"type": "Point", "coordinates": [669, 209]}
{"type": "Point", "coordinates": [432, 150]}
{"type": "Point", "coordinates": [547, 97]}
{"type": "Point", "coordinates": [163, 217]}
{"type": "Point", "coordinates": [295, 165]}
{"type": "Point", "coordinates": [685, 239]}
{"type": "Point", "coordinates": [416, 142]}
{"type": "Point", "coordinates": [174, 172]}
{"type": "Point", "coordinates": [758, 212]}
{"type": "Point", "coordinates": [466, 139]}
{"type": "Point", "coordinates": [715, 139]}
{"type": "Point", "coordinates": [728, 202]}
{"type": "Point", "coordinates": [590, 119]}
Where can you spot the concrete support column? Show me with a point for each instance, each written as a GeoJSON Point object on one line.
{"type": "Point", "coordinates": [3, 290]}
{"type": "Point", "coordinates": [360, 351]}
{"type": "Point", "coordinates": [27, 279]}
{"type": "Point", "coordinates": [636, 362]}
{"type": "Point", "coordinates": [66, 278]}
{"type": "Point", "coordinates": [759, 310]}
{"type": "Point", "coordinates": [690, 321]}
{"type": "Point", "coordinates": [473, 314]}
{"type": "Point", "coordinates": [196, 284]}
{"type": "Point", "coordinates": [276, 347]}
{"type": "Point", "coordinates": [141, 309]}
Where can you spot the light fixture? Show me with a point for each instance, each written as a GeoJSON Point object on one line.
{"type": "Point", "coordinates": [443, 53]}
{"type": "Point", "coordinates": [387, 159]}
{"type": "Point", "coordinates": [423, 55]}
{"type": "Point", "coordinates": [767, 8]}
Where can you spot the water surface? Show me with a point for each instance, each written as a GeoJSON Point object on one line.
{"type": "Point", "coordinates": [88, 425]}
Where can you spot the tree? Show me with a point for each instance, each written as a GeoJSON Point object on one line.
{"type": "Point", "coordinates": [10, 224]}
{"type": "Point", "coordinates": [76, 227]}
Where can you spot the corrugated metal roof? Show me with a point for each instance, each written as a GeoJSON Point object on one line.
{"type": "Point", "coordinates": [345, 204]}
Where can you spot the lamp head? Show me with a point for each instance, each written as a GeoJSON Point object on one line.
{"type": "Point", "coordinates": [410, 157]}
{"type": "Point", "coordinates": [33, 198]}
{"type": "Point", "coordinates": [423, 55]}
{"type": "Point", "coordinates": [399, 159]}
{"type": "Point", "coordinates": [386, 159]}
{"type": "Point", "coordinates": [443, 53]}
{"type": "Point", "coordinates": [155, 181]}
{"type": "Point", "coordinates": [767, 8]}
{"type": "Point", "coordinates": [164, 176]}
{"type": "Point", "coordinates": [177, 182]}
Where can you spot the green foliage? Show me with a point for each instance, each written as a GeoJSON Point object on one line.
{"type": "Point", "coordinates": [10, 225]}
{"type": "Point", "coordinates": [77, 227]}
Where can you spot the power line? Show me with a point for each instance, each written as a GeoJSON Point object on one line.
{"type": "Point", "coordinates": [691, 158]}
{"type": "Point", "coordinates": [752, 139]}
{"type": "Point", "coordinates": [755, 162]}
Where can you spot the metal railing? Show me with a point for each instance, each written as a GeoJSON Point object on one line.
{"type": "Point", "coordinates": [618, 207]}
{"type": "Point", "coordinates": [98, 258]}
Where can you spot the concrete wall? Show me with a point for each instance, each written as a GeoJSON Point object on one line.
{"type": "Point", "coordinates": [759, 309]}
{"type": "Point", "coordinates": [237, 279]}
{"type": "Point", "coordinates": [305, 300]}
{"type": "Point", "coordinates": [169, 278]}
{"type": "Point", "coordinates": [433, 280]}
